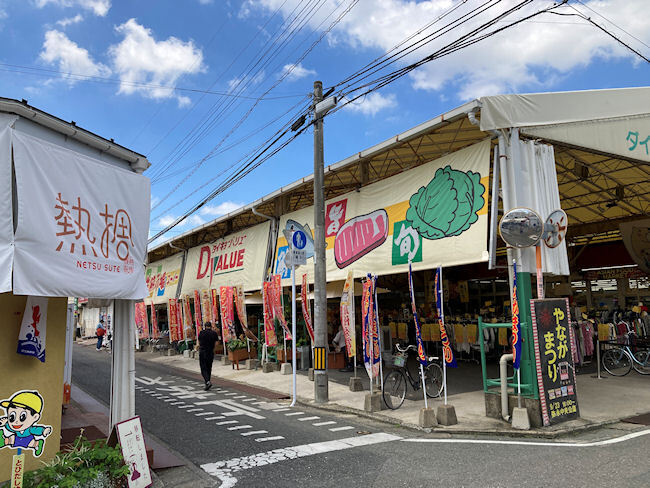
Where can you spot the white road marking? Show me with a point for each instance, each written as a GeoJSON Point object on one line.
{"type": "Point", "coordinates": [255, 432]}
{"type": "Point", "coordinates": [281, 409]}
{"type": "Point", "coordinates": [249, 400]}
{"type": "Point", "coordinates": [184, 406]}
{"type": "Point", "coordinates": [234, 408]}
{"type": "Point", "coordinates": [215, 418]}
{"type": "Point", "coordinates": [260, 403]}
{"type": "Point", "coordinates": [274, 438]}
{"type": "Point", "coordinates": [319, 424]}
{"type": "Point", "coordinates": [228, 422]}
{"type": "Point", "coordinates": [294, 413]}
{"type": "Point", "coordinates": [239, 397]}
{"type": "Point", "coordinates": [606, 442]}
{"type": "Point", "coordinates": [230, 394]}
{"type": "Point", "coordinates": [170, 400]}
{"type": "Point", "coordinates": [178, 403]}
{"type": "Point", "coordinates": [239, 427]}
{"type": "Point", "coordinates": [203, 413]}
{"type": "Point", "coordinates": [224, 470]}
{"type": "Point", "coordinates": [195, 410]}
{"type": "Point", "coordinates": [337, 429]}
{"type": "Point", "coordinates": [308, 418]}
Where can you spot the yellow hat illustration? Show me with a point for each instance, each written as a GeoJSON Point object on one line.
{"type": "Point", "coordinates": [25, 399]}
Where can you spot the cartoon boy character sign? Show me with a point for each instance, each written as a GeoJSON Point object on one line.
{"type": "Point", "coordinates": [19, 428]}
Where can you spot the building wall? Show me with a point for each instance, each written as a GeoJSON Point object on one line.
{"type": "Point", "coordinates": [28, 373]}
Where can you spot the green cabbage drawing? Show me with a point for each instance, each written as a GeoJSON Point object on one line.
{"type": "Point", "coordinates": [448, 205]}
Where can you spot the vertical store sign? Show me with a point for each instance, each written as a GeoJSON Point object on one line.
{"type": "Point", "coordinates": [82, 225]}
{"type": "Point", "coordinates": [33, 329]}
{"type": "Point", "coordinates": [556, 378]}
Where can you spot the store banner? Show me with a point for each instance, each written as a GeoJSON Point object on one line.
{"type": "Point", "coordinates": [369, 330]}
{"type": "Point", "coordinates": [154, 321]}
{"type": "Point", "coordinates": [33, 328]}
{"type": "Point", "coordinates": [237, 258]}
{"type": "Point", "coordinates": [418, 331]}
{"type": "Point", "coordinates": [306, 308]}
{"type": "Point", "coordinates": [432, 215]}
{"type": "Point", "coordinates": [82, 224]}
{"type": "Point", "coordinates": [240, 306]}
{"type": "Point", "coordinates": [269, 327]}
{"type": "Point", "coordinates": [447, 353]}
{"type": "Point", "coordinates": [516, 335]}
{"type": "Point", "coordinates": [347, 315]}
{"type": "Point", "coordinates": [556, 379]}
{"type": "Point", "coordinates": [206, 306]}
{"type": "Point", "coordinates": [278, 306]}
{"type": "Point", "coordinates": [198, 319]}
{"type": "Point", "coordinates": [214, 300]}
{"type": "Point", "coordinates": [227, 313]}
{"type": "Point", "coordinates": [6, 213]}
{"type": "Point", "coordinates": [141, 322]}
{"type": "Point", "coordinates": [188, 323]}
{"type": "Point", "coordinates": [172, 316]}
{"type": "Point", "coordinates": [179, 321]}
{"type": "Point", "coordinates": [162, 278]}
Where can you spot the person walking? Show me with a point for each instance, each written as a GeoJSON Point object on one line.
{"type": "Point", "coordinates": [99, 332]}
{"type": "Point", "coordinates": [207, 339]}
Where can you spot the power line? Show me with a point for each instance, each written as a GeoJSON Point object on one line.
{"type": "Point", "coordinates": [612, 22]}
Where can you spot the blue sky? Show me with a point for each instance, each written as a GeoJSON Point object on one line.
{"type": "Point", "coordinates": [141, 69]}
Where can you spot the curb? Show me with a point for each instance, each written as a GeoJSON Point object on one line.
{"type": "Point", "coordinates": [436, 430]}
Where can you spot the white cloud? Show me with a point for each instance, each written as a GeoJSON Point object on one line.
{"type": "Point", "coordinates": [140, 59]}
{"type": "Point", "coordinates": [166, 220]}
{"type": "Point", "coordinates": [532, 55]}
{"type": "Point", "coordinates": [245, 82]}
{"type": "Point", "coordinates": [296, 72]}
{"type": "Point", "coordinates": [70, 20]}
{"type": "Point", "coordinates": [372, 103]}
{"type": "Point", "coordinates": [70, 58]}
{"type": "Point", "coordinates": [221, 209]}
{"type": "Point", "coordinates": [98, 7]}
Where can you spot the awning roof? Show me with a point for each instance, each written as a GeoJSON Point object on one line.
{"type": "Point", "coordinates": [598, 190]}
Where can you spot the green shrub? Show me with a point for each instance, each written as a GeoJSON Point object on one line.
{"type": "Point", "coordinates": [236, 344]}
{"type": "Point", "coordinates": [86, 465]}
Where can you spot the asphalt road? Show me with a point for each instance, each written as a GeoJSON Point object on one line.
{"type": "Point", "coordinates": [245, 440]}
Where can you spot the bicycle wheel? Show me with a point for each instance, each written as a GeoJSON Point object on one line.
{"type": "Point", "coordinates": [643, 365]}
{"type": "Point", "coordinates": [617, 362]}
{"type": "Point", "coordinates": [433, 380]}
{"type": "Point", "coordinates": [394, 389]}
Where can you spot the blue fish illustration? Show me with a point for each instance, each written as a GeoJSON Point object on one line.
{"type": "Point", "coordinates": [292, 225]}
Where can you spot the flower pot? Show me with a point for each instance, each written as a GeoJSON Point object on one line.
{"type": "Point", "coordinates": [282, 359]}
{"type": "Point", "coordinates": [241, 355]}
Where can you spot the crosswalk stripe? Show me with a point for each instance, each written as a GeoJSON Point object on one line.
{"type": "Point", "coordinates": [281, 409]}
{"type": "Point", "coordinates": [337, 429]}
{"type": "Point", "coordinates": [202, 413]}
{"type": "Point", "coordinates": [294, 413]}
{"type": "Point", "coordinates": [249, 400]}
{"type": "Point", "coordinates": [253, 432]}
{"type": "Point", "coordinates": [226, 422]}
{"type": "Point", "coordinates": [274, 438]}
{"type": "Point", "coordinates": [239, 427]}
{"type": "Point", "coordinates": [215, 418]}
{"type": "Point", "coordinates": [320, 424]}
{"type": "Point", "coordinates": [308, 418]}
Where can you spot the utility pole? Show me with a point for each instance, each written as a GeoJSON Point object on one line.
{"type": "Point", "coordinates": [321, 387]}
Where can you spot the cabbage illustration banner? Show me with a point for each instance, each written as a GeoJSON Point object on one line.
{"type": "Point", "coordinates": [433, 215]}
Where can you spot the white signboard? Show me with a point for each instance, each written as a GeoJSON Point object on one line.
{"type": "Point", "coordinates": [131, 440]}
{"type": "Point", "coordinates": [82, 224]}
{"type": "Point", "coordinates": [6, 217]}
{"type": "Point", "coordinates": [162, 278]}
{"type": "Point", "coordinates": [433, 215]}
{"type": "Point", "coordinates": [238, 258]}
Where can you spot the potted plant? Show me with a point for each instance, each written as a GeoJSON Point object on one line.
{"type": "Point", "coordinates": [238, 351]}
{"type": "Point", "coordinates": [87, 464]}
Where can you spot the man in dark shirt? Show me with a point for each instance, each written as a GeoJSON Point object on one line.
{"type": "Point", "coordinates": [207, 339]}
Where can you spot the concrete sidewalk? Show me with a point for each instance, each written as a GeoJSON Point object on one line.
{"type": "Point", "coordinates": [601, 401]}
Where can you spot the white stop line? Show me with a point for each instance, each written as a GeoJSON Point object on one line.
{"type": "Point", "coordinates": [606, 442]}
{"type": "Point", "coordinates": [224, 470]}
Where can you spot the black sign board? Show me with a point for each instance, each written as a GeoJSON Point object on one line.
{"type": "Point", "coordinates": [556, 376]}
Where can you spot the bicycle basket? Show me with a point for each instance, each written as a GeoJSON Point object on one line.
{"type": "Point", "coordinates": [399, 360]}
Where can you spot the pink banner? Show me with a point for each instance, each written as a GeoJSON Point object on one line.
{"type": "Point", "coordinates": [214, 299]}
{"type": "Point", "coordinates": [227, 313]}
{"type": "Point", "coordinates": [188, 326]}
{"type": "Point", "coordinates": [240, 306]}
{"type": "Point", "coordinates": [179, 320]}
{"type": "Point", "coordinates": [306, 309]}
{"type": "Point", "coordinates": [269, 326]}
{"type": "Point", "coordinates": [141, 321]}
{"type": "Point", "coordinates": [172, 307]}
{"type": "Point", "coordinates": [198, 321]}
{"type": "Point", "coordinates": [278, 308]}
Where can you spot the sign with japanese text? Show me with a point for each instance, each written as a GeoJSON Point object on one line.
{"type": "Point", "coordinates": [555, 371]}
{"type": "Point", "coordinates": [172, 316]}
{"type": "Point", "coordinates": [240, 307]}
{"type": "Point", "coordinates": [198, 319]}
{"type": "Point", "coordinates": [31, 339]}
{"type": "Point", "coordinates": [131, 440]}
{"type": "Point", "coordinates": [347, 315]}
{"type": "Point", "coordinates": [237, 258]}
{"type": "Point", "coordinates": [270, 338]}
{"type": "Point", "coordinates": [82, 224]}
{"type": "Point", "coordinates": [278, 306]}
{"type": "Point", "coordinates": [141, 322]}
{"type": "Point", "coordinates": [431, 215]}
{"type": "Point", "coordinates": [369, 331]}
{"type": "Point", "coordinates": [154, 322]}
{"type": "Point", "coordinates": [6, 214]}
{"type": "Point", "coordinates": [227, 313]}
{"type": "Point", "coordinates": [162, 278]}
{"type": "Point", "coordinates": [306, 309]}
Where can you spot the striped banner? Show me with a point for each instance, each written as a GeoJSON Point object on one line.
{"type": "Point", "coordinates": [304, 296]}
{"type": "Point", "coordinates": [516, 335]}
{"type": "Point", "coordinates": [447, 353]}
{"type": "Point", "coordinates": [320, 358]}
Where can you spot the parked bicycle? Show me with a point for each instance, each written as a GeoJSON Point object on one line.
{"type": "Point", "coordinates": [396, 381]}
{"type": "Point", "coordinates": [619, 360]}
